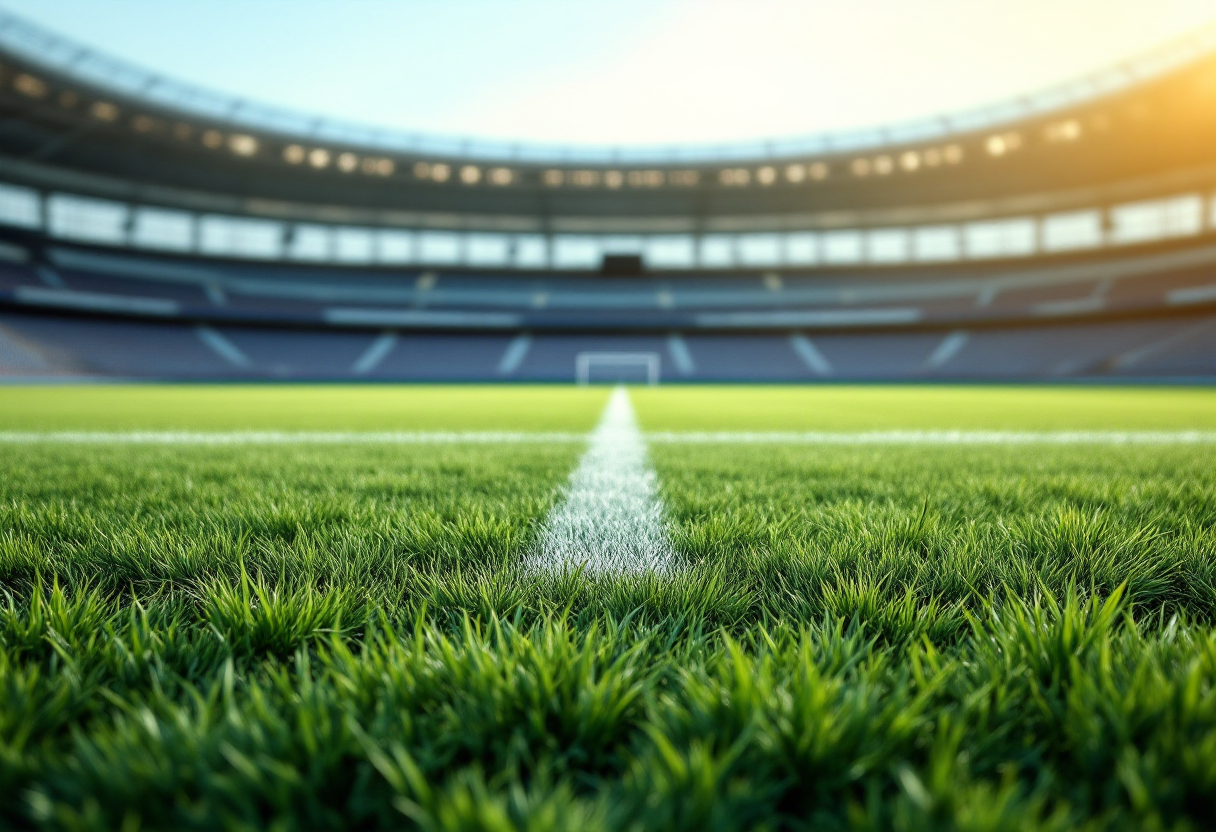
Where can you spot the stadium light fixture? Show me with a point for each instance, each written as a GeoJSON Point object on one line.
{"type": "Point", "coordinates": [766, 175]}
{"type": "Point", "coordinates": [553, 178]}
{"type": "Point", "coordinates": [910, 161]}
{"type": "Point", "coordinates": [614, 178]}
{"type": "Point", "coordinates": [953, 154]}
{"type": "Point", "coordinates": [318, 157]}
{"type": "Point", "coordinates": [242, 144]}
{"type": "Point", "coordinates": [1068, 130]}
{"type": "Point", "coordinates": [818, 171]}
{"type": "Point", "coordinates": [348, 162]}
{"type": "Point", "coordinates": [795, 173]}
{"type": "Point", "coordinates": [293, 154]}
{"type": "Point", "coordinates": [860, 167]}
{"type": "Point", "coordinates": [378, 166]}
{"type": "Point", "coordinates": [501, 176]}
{"type": "Point", "coordinates": [932, 157]}
{"type": "Point", "coordinates": [440, 172]}
{"type": "Point", "coordinates": [645, 178]}
{"type": "Point", "coordinates": [212, 139]}
{"type": "Point", "coordinates": [883, 165]}
{"type": "Point", "coordinates": [30, 86]}
{"type": "Point", "coordinates": [470, 174]}
{"type": "Point", "coordinates": [1003, 143]}
{"type": "Point", "coordinates": [104, 111]}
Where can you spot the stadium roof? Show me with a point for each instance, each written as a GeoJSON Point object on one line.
{"type": "Point", "coordinates": [94, 67]}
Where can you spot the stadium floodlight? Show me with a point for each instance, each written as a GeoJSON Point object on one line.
{"type": "Point", "coordinates": [616, 367]}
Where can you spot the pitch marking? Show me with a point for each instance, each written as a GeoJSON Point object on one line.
{"type": "Point", "coordinates": [884, 437]}
{"type": "Point", "coordinates": [610, 518]}
{"type": "Point", "coordinates": [943, 437]}
{"type": "Point", "coordinates": [152, 437]}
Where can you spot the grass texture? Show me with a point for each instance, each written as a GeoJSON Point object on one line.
{"type": "Point", "coordinates": [344, 637]}
{"type": "Point", "coordinates": [328, 407]}
{"type": "Point", "coordinates": [299, 407]}
{"type": "Point", "coordinates": [924, 407]}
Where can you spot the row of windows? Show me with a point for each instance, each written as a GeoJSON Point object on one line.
{"type": "Point", "coordinates": [115, 223]}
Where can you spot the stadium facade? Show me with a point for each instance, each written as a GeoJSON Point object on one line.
{"type": "Point", "coordinates": [153, 230]}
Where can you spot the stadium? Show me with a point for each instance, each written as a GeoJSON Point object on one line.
{"type": "Point", "coordinates": [354, 477]}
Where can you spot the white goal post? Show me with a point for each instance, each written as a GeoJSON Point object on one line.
{"type": "Point", "coordinates": [615, 367]}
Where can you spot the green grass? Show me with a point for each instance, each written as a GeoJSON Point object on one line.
{"type": "Point", "coordinates": [299, 407]}
{"type": "Point", "coordinates": [877, 637]}
{"type": "Point", "coordinates": [874, 407]}
{"type": "Point", "coordinates": [551, 408]}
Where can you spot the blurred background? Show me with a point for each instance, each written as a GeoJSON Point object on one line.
{"type": "Point", "coordinates": [611, 190]}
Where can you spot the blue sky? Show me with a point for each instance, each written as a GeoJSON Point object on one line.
{"type": "Point", "coordinates": [622, 71]}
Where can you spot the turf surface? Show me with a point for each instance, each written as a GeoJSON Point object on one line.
{"type": "Point", "coordinates": [883, 637]}
{"type": "Point", "coordinates": [895, 407]}
{"type": "Point", "coordinates": [299, 407]}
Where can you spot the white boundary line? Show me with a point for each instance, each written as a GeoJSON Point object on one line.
{"type": "Point", "coordinates": [941, 437]}
{"type": "Point", "coordinates": [890, 437]}
{"type": "Point", "coordinates": [610, 517]}
{"type": "Point", "coordinates": [286, 437]}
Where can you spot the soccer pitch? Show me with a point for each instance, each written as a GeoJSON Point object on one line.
{"type": "Point", "coordinates": [311, 607]}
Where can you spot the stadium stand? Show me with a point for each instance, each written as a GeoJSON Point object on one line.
{"type": "Point", "coordinates": [144, 235]}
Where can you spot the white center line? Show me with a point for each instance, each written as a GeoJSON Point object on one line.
{"type": "Point", "coordinates": [610, 518]}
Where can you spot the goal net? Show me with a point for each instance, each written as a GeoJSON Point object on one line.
{"type": "Point", "coordinates": [617, 368]}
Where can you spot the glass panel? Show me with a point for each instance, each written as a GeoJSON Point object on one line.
{"type": "Point", "coordinates": [1138, 222]}
{"type": "Point", "coordinates": [161, 229]}
{"type": "Point", "coordinates": [1001, 238]}
{"type": "Point", "coordinates": [531, 251]}
{"type": "Point", "coordinates": [488, 250]}
{"type": "Point", "coordinates": [94, 220]}
{"type": "Point", "coordinates": [576, 252]}
{"type": "Point", "coordinates": [760, 249]}
{"type": "Point", "coordinates": [310, 242]}
{"type": "Point", "coordinates": [802, 248]}
{"type": "Point", "coordinates": [354, 245]}
{"type": "Point", "coordinates": [20, 207]}
{"type": "Point", "coordinates": [716, 251]}
{"type": "Point", "coordinates": [239, 237]}
{"type": "Point", "coordinates": [438, 247]}
{"type": "Point", "coordinates": [673, 251]}
{"type": "Point", "coordinates": [1076, 229]}
{"type": "Point", "coordinates": [842, 247]}
{"type": "Point", "coordinates": [395, 247]}
{"type": "Point", "coordinates": [935, 243]}
{"type": "Point", "coordinates": [622, 244]}
{"type": "Point", "coordinates": [887, 245]}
